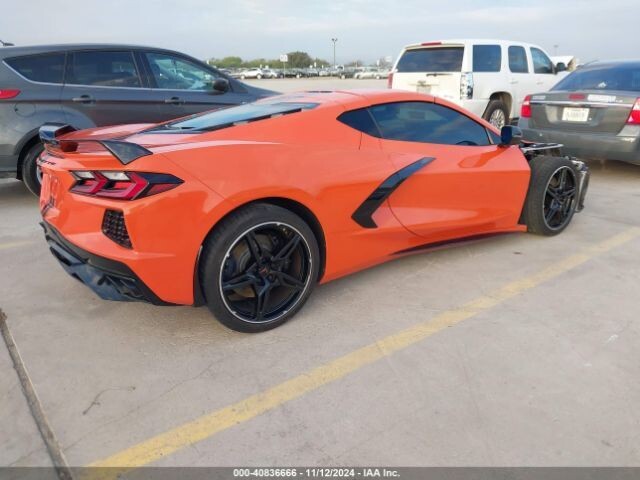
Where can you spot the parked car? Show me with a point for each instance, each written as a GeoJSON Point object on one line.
{"type": "Point", "coordinates": [252, 73]}
{"type": "Point", "coordinates": [347, 72]}
{"type": "Point", "coordinates": [488, 77]}
{"type": "Point", "coordinates": [270, 73]}
{"type": "Point", "coordinates": [168, 214]}
{"type": "Point", "coordinates": [594, 112]}
{"type": "Point", "coordinates": [376, 73]}
{"type": "Point", "coordinates": [101, 85]}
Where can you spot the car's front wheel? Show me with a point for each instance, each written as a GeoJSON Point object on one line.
{"type": "Point", "coordinates": [552, 197]}
{"type": "Point", "coordinates": [31, 173]}
{"type": "Point", "coordinates": [258, 267]}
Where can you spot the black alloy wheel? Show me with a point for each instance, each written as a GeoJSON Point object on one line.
{"type": "Point", "coordinates": [560, 197]}
{"type": "Point", "coordinates": [258, 267]}
{"type": "Point", "coordinates": [553, 195]}
{"type": "Point", "coordinates": [265, 272]}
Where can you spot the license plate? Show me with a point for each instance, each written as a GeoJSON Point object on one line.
{"type": "Point", "coordinates": [570, 114]}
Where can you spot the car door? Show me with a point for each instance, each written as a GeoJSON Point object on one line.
{"type": "Point", "coordinates": [521, 79]}
{"type": "Point", "coordinates": [183, 87]}
{"type": "Point", "coordinates": [462, 184]}
{"type": "Point", "coordinates": [105, 87]}
{"type": "Point", "coordinates": [543, 70]}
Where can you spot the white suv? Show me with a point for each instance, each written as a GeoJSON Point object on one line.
{"type": "Point", "coordinates": [487, 77]}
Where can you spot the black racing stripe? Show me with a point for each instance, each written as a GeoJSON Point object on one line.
{"type": "Point", "coordinates": [363, 214]}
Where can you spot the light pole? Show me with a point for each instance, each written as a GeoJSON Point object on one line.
{"type": "Point", "coordinates": [555, 49]}
{"type": "Point", "coordinates": [334, 40]}
{"type": "Point", "coordinates": [6, 44]}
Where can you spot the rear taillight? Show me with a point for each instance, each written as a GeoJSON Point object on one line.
{"type": "Point", "coordinates": [122, 185]}
{"type": "Point", "coordinates": [8, 93]}
{"type": "Point", "coordinates": [466, 86]}
{"type": "Point", "coordinates": [634, 116]}
{"type": "Point", "coordinates": [390, 80]}
{"type": "Point", "coordinates": [525, 111]}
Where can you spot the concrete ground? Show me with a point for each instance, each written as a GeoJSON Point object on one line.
{"type": "Point", "coordinates": [542, 372]}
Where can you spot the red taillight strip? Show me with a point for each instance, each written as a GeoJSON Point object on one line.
{"type": "Point", "coordinates": [136, 185]}
{"type": "Point", "coordinates": [6, 94]}
{"type": "Point", "coordinates": [634, 116]}
{"type": "Point", "coordinates": [525, 111]}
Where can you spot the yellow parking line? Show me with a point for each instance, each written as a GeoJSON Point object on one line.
{"type": "Point", "coordinates": [208, 425]}
{"type": "Point", "coordinates": [7, 246]}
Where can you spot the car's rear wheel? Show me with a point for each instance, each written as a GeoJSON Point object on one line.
{"type": "Point", "coordinates": [497, 114]}
{"type": "Point", "coordinates": [31, 173]}
{"type": "Point", "coordinates": [258, 267]}
{"type": "Point", "coordinates": [552, 196]}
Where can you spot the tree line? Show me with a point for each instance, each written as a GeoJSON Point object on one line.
{"type": "Point", "coordinates": [296, 60]}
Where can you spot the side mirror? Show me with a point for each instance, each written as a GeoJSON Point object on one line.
{"type": "Point", "coordinates": [220, 85]}
{"type": "Point", "coordinates": [510, 135]}
{"type": "Point", "coordinates": [560, 67]}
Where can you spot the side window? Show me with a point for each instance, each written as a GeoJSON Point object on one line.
{"type": "Point", "coordinates": [487, 58]}
{"type": "Point", "coordinates": [176, 73]}
{"type": "Point", "coordinates": [104, 69]}
{"type": "Point", "coordinates": [427, 123]}
{"type": "Point", "coordinates": [361, 120]}
{"type": "Point", "coordinates": [39, 68]}
{"type": "Point", "coordinates": [541, 63]}
{"type": "Point", "coordinates": [518, 59]}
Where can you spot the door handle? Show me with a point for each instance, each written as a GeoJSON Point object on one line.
{"type": "Point", "coordinates": [83, 99]}
{"type": "Point", "coordinates": [513, 82]}
{"type": "Point", "coordinates": [539, 83]}
{"type": "Point", "coordinates": [174, 100]}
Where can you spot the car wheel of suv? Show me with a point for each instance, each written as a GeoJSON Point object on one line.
{"type": "Point", "coordinates": [31, 173]}
{"type": "Point", "coordinates": [552, 197]}
{"type": "Point", "coordinates": [258, 268]}
{"type": "Point", "coordinates": [497, 114]}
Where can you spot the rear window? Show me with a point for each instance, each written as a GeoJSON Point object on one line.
{"type": "Point", "coordinates": [229, 117]}
{"type": "Point", "coordinates": [487, 58]}
{"type": "Point", "coordinates": [433, 59]}
{"type": "Point", "coordinates": [104, 68]}
{"type": "Point", "coordinates": [518, 59]}
{"type": "Point", "coordinates": [39, 68]}
{"type": "Point", "coordinates": [622, 77]}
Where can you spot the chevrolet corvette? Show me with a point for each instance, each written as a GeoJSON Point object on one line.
{"type": "Point", "coordinates": [247, 208]}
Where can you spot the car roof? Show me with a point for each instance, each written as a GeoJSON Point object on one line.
{"type": "Point", "coordinates": [610, 64]}
{"type": "Point", "coordinates": [349, 99]}
{"type": "Point", "coordinates": [7, 52]}
{"type": "Point", "coordinates": [470, 41]}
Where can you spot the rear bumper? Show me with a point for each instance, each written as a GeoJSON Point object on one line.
{"type": "Point", "coordinates": [109, 279]}
{"type": "Point", "coordinates": [624, 146]}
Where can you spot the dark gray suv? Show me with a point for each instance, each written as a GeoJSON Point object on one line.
{"type": "Point", "coordinates": [98, 85]}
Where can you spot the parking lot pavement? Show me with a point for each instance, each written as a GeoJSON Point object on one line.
{"type": "Point", "coordinates": [545, 373]}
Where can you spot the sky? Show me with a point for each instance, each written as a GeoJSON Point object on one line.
{"type": "Point", "coordinates": [366, 29]}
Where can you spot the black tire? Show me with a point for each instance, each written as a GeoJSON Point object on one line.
{"type": "Point", "coordinates": [543, 197]}
{"type": "Point", "coordinates": [30, 168]}
{"type": "Point", "coordinates": [229, 261]}
{"type": "Point", "coordinates": [495, 107]}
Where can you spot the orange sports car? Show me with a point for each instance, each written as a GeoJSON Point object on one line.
{"type": "Point", "coordinates": [245, 209]}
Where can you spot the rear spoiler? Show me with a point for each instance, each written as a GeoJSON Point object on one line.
{"type": "Point", "coordinates": [125, 152]}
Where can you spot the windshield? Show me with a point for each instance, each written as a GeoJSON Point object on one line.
{"type": "Point", "coordinates": [228, 117]}
{"type": "Point", "coordinates": [440, 59]}
{"type": "Point", "coordinates": [620, 77]}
